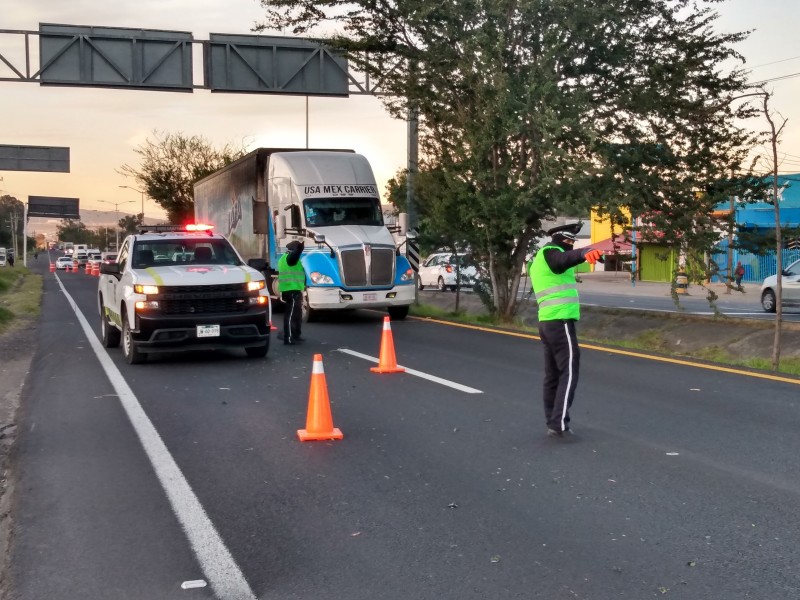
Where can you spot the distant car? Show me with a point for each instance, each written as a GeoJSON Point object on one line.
{"type": "Point", "coordinates": [80, 259]}
{"type": "Point", "coordinates": [95, 258]}
{"type": "Point", "coordinates": [62, 262]}
{"type": "Point", "coordinates": [790, 288]}
{"type": "Point", "coordinates": [440, 270]}
{"type": "Point", "coordinates": [108, 257]}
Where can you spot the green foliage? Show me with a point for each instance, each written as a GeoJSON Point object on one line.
{"type": "Point", "coordinates": [171, 163]}
{"type": "Point", "coordinates": [11, 214]}
{"type": "Point", "coordinates": [532, 107]}
{"type": "Point", "coordinates": [130, 224]}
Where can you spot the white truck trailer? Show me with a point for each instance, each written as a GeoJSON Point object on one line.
{"type": "Point", "coordinates": [327, 199]}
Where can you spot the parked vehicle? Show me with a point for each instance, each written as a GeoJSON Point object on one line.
{"type": "Point", "coordinates": [152, 303]}
{"type": "Point", "coordinates": [62, 262]}
{"type": "Point", "coordinates": [95, 258]}
{"type": "Point", "coordinates": [108, 257]}
{"type": "Point", "coordinates": [790, 288]}
{"type": "Point", "coordinates": [441, 269]}
{"type": "Point", "coordinates": [3, 257]}
{"type": "Point", "coordinates": [80, 259]}
{"type": "Point", "coordinates": [327, 199]}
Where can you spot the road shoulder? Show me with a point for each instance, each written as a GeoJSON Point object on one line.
{"type": "Point", "coordinates": [17, 348]}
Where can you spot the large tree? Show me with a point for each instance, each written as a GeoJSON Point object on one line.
{"type": "Point", "coordinates": [171, 163]}
{"type": "Point", "coordinates": [528, 106]}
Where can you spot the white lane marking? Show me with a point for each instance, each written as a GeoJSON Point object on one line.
{"type": "Point", "coordinates": [434, 378]}
{"type": "Point", "coordinates": [218, 565]}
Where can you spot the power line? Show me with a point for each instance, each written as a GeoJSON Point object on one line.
{"type": "Point", "coordinates": [779, 78]}
{"type": "Point", "coordinates": [774, 62]}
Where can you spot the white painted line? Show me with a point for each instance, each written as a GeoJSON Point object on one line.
{"type": "Point", "coordinates": [434, 378]}
{"type": "Point", "coordinates": [218, 565]}
{"type": "Point", "coordinates": [195, 583]}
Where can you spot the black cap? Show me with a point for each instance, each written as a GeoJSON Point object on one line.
{"type": "Point", "coordinates": [569, 231]}
{"type": "Point", "coordinates": [295, 246]}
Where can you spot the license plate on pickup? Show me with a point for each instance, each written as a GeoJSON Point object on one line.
{"type": "Point", "coordinates": [370, 297]}
{"type": "Point", "coordinates": [207, 331]}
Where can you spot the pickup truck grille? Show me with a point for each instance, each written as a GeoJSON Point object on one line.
{"type": "Point", "coordinates": [354, 267]}
{"type": "Point", "coordinates": [203, 299]}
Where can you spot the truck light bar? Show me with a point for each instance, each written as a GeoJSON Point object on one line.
{"type": "Point", "coordinates": [191, 227]}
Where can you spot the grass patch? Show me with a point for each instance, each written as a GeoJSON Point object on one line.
{"type": "Point", "coordinates": [20, 297]}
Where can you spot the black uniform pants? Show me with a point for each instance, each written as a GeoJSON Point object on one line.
{"type": "Point", "coordinates": [561, 362]}
{"type": "Point", "coordinates": [292, 315]}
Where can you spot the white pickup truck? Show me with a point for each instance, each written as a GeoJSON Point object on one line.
{"type": "Point", "coordinates": [173, 290]}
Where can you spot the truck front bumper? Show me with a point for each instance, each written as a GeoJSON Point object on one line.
{"type": "Point", "coordinates": [173, 333]}
{"type": "Point", "coordinates": [330, 298]}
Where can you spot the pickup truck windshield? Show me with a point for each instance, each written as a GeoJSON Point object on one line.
{"type": "Point", "coordinates": [165, 253]}
{"type": "Point", "coordinates": [327, 212]}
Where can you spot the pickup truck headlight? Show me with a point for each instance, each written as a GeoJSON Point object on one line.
{"type": "Point", "coordinates": [254, 286]}
{"type": "Point", "coordinates": [320, 278]}
{"type": "Point", "coordinates": [145, 289]}
{"type": "Point", "coordinates": [408, 275]}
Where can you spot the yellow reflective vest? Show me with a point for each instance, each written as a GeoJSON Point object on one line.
{"type": "Point", "coordinates": [556, 294]}
{"type": "Point", "coordinates": [290, 277]}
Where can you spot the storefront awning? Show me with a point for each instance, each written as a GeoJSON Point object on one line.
{"type": "Point", "coordinates": [613, 245]}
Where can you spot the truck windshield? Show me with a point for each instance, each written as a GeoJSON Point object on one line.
{"type": "Point", "coordinates": [325, 212]}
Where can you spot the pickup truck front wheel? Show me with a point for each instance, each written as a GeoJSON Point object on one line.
{"type": "Point", "coordinates": [108, 333]}
{"type": "Point", "coordinates": [129, 350]}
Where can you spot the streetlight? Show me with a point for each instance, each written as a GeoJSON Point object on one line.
{"type": "Point", "coordinates": [116, 210]}
{"type": "Point", "coordinates": [141, 192]}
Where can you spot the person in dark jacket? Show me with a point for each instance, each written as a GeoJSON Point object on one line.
{"type": "Point", "coordinates": [552, 274]}
{"type": "Point", "coordinates": [292, 284]}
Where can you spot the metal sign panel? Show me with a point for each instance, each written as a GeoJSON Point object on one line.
{"type": "Point", "coordinates": [274, 65]}
{"type": "Point", "coordinates": [48, 159]}
{"type": "Point", "coordinates": [115, 57]}
{"type": "Point", "coordinates": [412, 254]}
{"type": "Point", "coordinates": [46, 206]}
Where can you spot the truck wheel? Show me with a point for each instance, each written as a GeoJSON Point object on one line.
{"type": "Point", "coordinates": [129, 350]}
{"type": "Point", "coordinates": [109, 334]}
{"type": "Point", "coordinates": [309, 315]}
{"type": "Point", "coordinates": [398, 313]}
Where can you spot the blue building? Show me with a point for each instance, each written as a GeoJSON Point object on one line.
{"type": "Point", "coordinates": [759, 218]}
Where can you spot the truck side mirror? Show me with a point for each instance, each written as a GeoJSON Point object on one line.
{"type": "Point", "coordinates": [294, 211]}
{"type": "Point", "coordinates": [402, 220]}
{"type": "Point", "coordinates": [259, 264]}
{"type": "Point", "coordinates": [280, 227]}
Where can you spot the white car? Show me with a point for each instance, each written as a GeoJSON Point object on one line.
{"type": "Point", "coordinates": [440, 270]}
{"type": "Point", "coordinates": [790, 288]}
{"type": "Point", "coordinates": [62, 262]}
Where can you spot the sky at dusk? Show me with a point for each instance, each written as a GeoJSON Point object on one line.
{"type": "Point", "coordinates": [102, 127]}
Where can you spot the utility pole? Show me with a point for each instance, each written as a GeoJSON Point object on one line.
{"type": "Point", "coordinates": [732, 224]}
{"type": "Point", "coordinates": [141, 192]}
{"type": "Point", "coordinates": [116, 211]}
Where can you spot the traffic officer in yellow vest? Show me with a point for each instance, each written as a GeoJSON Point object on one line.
{"type": "Point", "coordinates": [291, 284]}
{"type": "Point", "coordinates": [552, 274]}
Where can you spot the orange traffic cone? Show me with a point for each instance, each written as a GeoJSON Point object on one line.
{"type": "Point", "coordinates": [387, 362]}
{"type": "Point", "coordinates": [319, 423]}
{"type": "Point", "coordinates": [52, 267]}
{"type": "Point", "coordinates": [271, 326]}
{"type": "Point", "coordinates": [96, 269]}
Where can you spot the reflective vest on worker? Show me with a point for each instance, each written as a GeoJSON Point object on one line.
{"type": "Point", "coordinates": [556, 294]}
{"type": "Point", "coordinates": [290, 277]}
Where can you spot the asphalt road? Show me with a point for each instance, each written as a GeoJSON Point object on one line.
{"type": "Point", "coordinates": [682, 482]}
